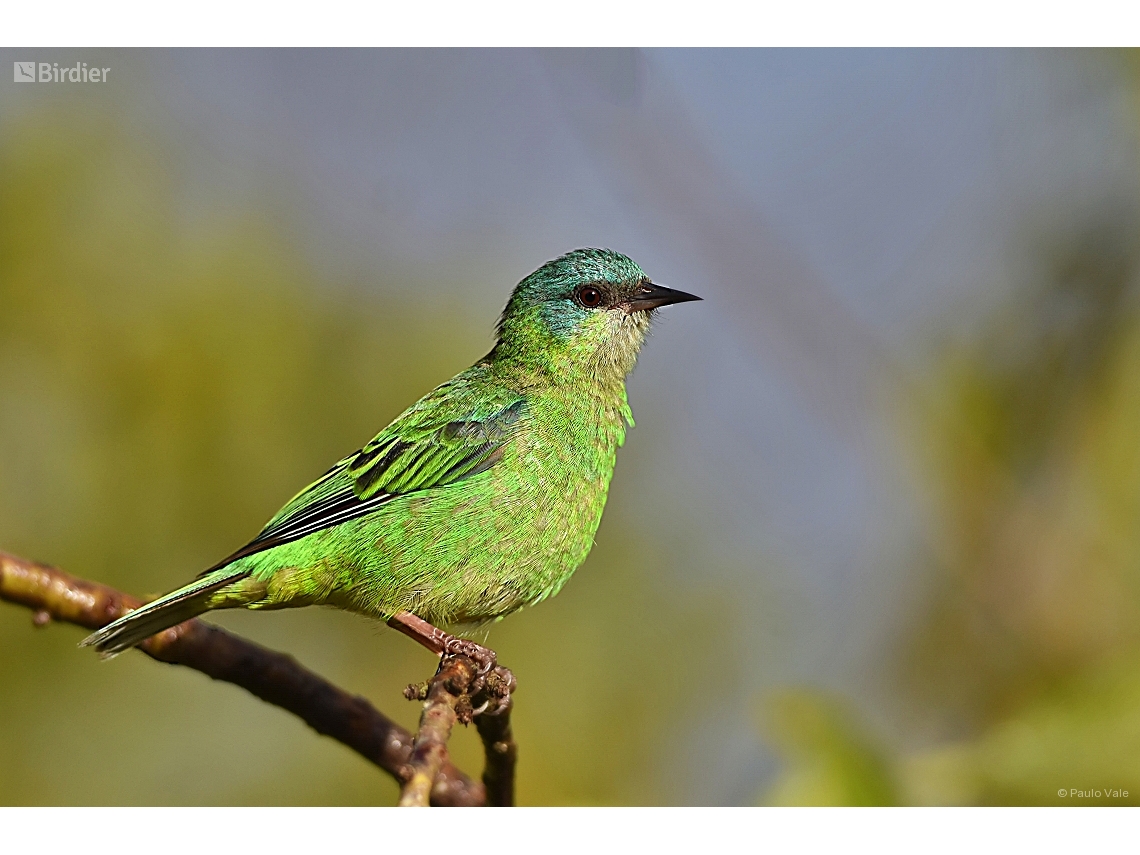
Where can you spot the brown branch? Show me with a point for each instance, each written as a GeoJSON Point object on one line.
{"type": "Point", "coordinates": [444, 697]}
{"type": "Point", "coordinates": [462, 690]}
{"type": "Point", "coordinates": [500, 753]}
{"type": "Point", "coordinates": [274, 677]}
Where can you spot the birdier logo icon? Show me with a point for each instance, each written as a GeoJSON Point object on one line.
{"type": "Point", "coordinates": [51, 72]}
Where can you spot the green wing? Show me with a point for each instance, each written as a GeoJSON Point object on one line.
{"type": "Point", "coordinates": [405, 458]}
{"type": "Point", "coordinates": [454, 432]}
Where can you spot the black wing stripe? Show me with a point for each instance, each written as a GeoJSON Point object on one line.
{"type": "Point", "coordinates": [315, 511]}
{"type": "Point", "coordinates": [386, 453]}
{"type": "Point", "coordinates": [350, 512]}
{"type": "Point", "coordinates": [370, 466]}
{"type": "Point", "coordinates": [333, 511]}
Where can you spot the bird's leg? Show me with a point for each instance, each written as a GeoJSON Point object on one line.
{"type": "Point", "coordinates": [490, 687]}
{"type": "Point", "coordinates": [443, 643]}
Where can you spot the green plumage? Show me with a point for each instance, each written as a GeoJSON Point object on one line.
{"type": "Point", "coordinates": [482, 497]}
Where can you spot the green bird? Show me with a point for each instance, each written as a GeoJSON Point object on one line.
{"type": "Point", "coordinates": [479, 499]}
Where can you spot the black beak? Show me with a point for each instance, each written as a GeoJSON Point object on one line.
{"type": "Point", "coordinates": [650, 296]}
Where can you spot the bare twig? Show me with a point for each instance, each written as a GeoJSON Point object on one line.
{"type": "Point", "coordinates": [445, 696]}
{"type": "Point", "coordinates": [463, 690]}
{"type": "Point", "coordinates": [271, 676]}
{"type": "Point", "coordinates": [501, 755]}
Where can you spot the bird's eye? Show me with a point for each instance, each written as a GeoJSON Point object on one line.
{"type": "Point", "coordinates": [590, 296]}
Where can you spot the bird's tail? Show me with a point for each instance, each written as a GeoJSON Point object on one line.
{"type": "Point", "coordinates": [173, 608]}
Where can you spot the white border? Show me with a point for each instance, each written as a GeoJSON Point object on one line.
{"type": "Point", "coordinates": [931, 831]}
{"type": "Point", "coordinates": [495, 23]}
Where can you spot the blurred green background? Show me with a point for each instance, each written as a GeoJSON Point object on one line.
{"type": "Point", "coordinates": [876, 537]}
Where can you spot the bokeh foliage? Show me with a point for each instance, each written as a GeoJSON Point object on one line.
{"type": "Point", "coordinates": [168, 378]}
{"type": "Point", "coordinates": [1022, 665]}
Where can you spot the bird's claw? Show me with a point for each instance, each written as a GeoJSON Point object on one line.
{"type": "Point", "coordinates": [482, 656]}
{"type": "Point", "coordinates": [496, 688]}
{"type": "Point", "coordinates": [491, 685]}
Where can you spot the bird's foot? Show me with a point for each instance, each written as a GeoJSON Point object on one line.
{"type": "Point", "coordinates": [482, 693]}
{"type": "Point", "coordinates": [484, 657]}
{"type": "Point", "coordinates": [489, 692]}
{"type": "Point", "coordinates": [475, 691]}
{"type": "Point", "coordinates": [485, 692]}
{"type": "Point", "coordinates": [495, 692]}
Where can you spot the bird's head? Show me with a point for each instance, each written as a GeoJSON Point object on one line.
{"type": "Point", "coordinates": [589, 309]}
